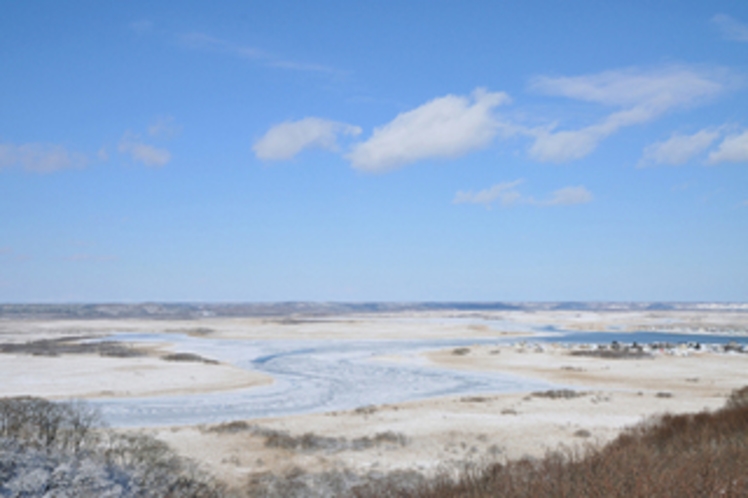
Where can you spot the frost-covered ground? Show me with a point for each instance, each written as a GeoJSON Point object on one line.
{"type": "Point", "coordinates": [444, 406]}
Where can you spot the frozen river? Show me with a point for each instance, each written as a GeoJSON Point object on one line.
{"type": "Point", "coordinates": [310, 376]}
{"type": "Point", "coordinates": [327, 375]}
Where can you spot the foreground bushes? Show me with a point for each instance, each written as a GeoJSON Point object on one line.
{"type": "Point", "coordinates": [697, 455]}
{"type": "Point", "coordinates": [61, 450]}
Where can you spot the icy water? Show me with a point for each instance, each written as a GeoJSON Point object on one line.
{"type": "Point", "coordinates": [327, 375]}
{"type": "Point", "coordinates": [642, 338]}
{"type": "Point", "coordinates": [311, 376]}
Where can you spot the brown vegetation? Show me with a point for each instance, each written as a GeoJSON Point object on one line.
{"type": "Point", "coordinates": [694, 455]}
{"type": "Point", "coordinates": [188, 357]}
{"type": "Point", "coordinates": [559, 394]}
{"type": "Point", "coordinates": [624, 353]}
{"type": "Point", "coordinates": [71, 345]}
{"type": "Point", "coordinates": [61, 448]}
{"type": "Point", "coordinates": [310, 442]}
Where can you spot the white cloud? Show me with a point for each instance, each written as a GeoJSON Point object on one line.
{"type": "Point", "coordinates": [454, 125]}
{"type": "Point", "coordinates": [731, 28]}
{"type": "Point", "coordinates": [445, 127]}
{"type": "Point", "coordinates": [40, 157]}
{"type": "Point", "coordinates": [143, 153]}
{"type": "Point", "coordinates": [287, 139]}
{"type": "Point", "coordinates": [568, 196]}
{"type": "Point", "coordinates": [164, 127]}
{"type": "Point", "coordinates": [641, 95]}
{"type": "Point", "coordinates": [679, 149]}
{"type": "Point", "coordinates": [733, 149]}
{"type": "Point", "coordinates": [564, 146]}
{"type": "Point", "coordinates": [506, 195]}
{"type": "Point", "coordinates": [656, 90]}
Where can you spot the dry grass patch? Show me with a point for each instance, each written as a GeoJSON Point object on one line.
{"type": "Point", "coordinates": [188, 357]}
{"type": "Point", "coordinates": [683, 456]}
{"type": "Point", "coordinates": [71, 345]}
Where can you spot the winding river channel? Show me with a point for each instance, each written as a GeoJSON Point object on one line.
{"type": "Point", "coordinates": [310, 376]}
{"type": "Point", "coordinates": [326, 375]}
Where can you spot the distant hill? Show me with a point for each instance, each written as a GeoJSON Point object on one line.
{"type": "Point", "coordinates": [173, 311]}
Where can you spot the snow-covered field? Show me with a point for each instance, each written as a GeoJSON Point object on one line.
{"type": "Point", "coordinates": [449, 386]}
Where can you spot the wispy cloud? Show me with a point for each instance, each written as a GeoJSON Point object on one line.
{"type": "Point", "coordinates": [141, 152]}
{"type": "Point", "coordinates": [654, 90]}
{"type": "Point", "coordinates": [733, 149]}
{"type": "Point", "coordinates": [40, 157]}
{"type": "Point", "coordinates": [641, 95]}
{"type": "Point", "coordinates": [286, 140]}
{"type": "Point", "coordinates": [164, 127]}
{"type": "Point", "coordinates": [90, 258]}
{"type": "Point", "coordinates": [141, 26]}
{"type": "Point", "coordinates": [679, 149]}
{"type": "Point", "coordinates": [731, 28]}
{"type": "Point", "coordinates": [568, 196]}
{"type": "Point", "coordinates": [506, 194]}
{"type": "Point", "coordinates": [8, 253]}
{"type": "Point", "coordinates": [202, 41]}
{"type": "Point", "coordinates": [448, 126]}
{"type": "Point", "coordinates": [565, 146]}
{"type": "Point", "coordinates": [707, 198]}
{"type": "Point", "coordinates": [502, 193]}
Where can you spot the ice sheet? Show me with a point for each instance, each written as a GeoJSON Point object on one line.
{"type": "Point", "coordinates": [311, 376]}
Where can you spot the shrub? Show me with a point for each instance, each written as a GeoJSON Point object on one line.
{"type": "Point", "coordinates": [71, 345]}
{"type": "Point", "coordinates": [42, 424]}
{"type": "Point", "coordinates": [693, 455]}
{"type": "Point", "coordinates": [738, 398]}
{"type": "Point", "coordinates": [559, 394]}
{"type": "Point", "coordinates": [613, 354]}
{"type": "Point", "coordinates": [62, 449]}
{"type": "Point", "coordinates": [188, 357]}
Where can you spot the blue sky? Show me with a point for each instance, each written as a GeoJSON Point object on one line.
{"type": "Point", "coordinates": [373, 150]}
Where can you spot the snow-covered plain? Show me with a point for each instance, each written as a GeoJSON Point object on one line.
{"type": "Point", "coordinates": [306, 375]}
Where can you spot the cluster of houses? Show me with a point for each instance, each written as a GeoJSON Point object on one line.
{"type": "Point", "coordinates": [616, 349]}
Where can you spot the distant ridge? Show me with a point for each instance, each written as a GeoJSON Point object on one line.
{"type": "Point", "coordinates": [202, 310]}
